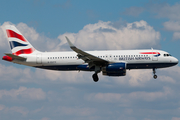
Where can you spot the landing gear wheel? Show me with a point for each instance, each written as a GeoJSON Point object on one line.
{"type": "Point", "coordinates": [155, 76]}
{"type": "Point", "coordinates": [154, 72]}
{"type": "Point", "coordinates": [95, 77]}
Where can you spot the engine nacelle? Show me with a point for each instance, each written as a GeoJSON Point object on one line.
{"type": "Point", "coordinates": [115, 69]}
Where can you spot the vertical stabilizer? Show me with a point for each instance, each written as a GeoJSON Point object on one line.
{"type": "Point", "coordinates": [18, 43]}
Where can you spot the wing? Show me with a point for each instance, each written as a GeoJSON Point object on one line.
{"type": "Point", "coordinates": [88, 58]}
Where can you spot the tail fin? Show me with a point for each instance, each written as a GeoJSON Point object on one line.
{"type": "Point", "coordinates": [18, 43]}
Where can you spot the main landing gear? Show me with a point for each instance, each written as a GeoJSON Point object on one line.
{"type": "Point", "coordinates": [95, 76]}
{"type": "Point", "coordinates": [154, 72]}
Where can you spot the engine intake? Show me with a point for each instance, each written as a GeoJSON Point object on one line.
{"type": "Point", "coordinates": [115, 69]}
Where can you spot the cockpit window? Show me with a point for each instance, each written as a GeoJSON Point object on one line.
{"type": "Point", "coordinates": [165, 55]}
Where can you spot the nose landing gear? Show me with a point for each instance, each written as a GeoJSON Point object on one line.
{"type": "Point", "coordinates": [154, 72]}
{"type": "Point", "coordinates": [155, 76]}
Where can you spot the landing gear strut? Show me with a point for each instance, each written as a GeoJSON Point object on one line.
{"type": "Point", "coordinates": [154, 72]}
{"type": "Point", "coordinates": [95, 77]}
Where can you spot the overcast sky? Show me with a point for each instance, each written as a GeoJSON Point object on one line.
{"type": "Point", "coordinates": [34, 94]}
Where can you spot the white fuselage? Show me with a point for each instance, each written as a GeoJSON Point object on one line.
{"type": "Point", "coordinates": [135, 59]}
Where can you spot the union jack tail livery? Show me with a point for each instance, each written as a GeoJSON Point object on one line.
{"type": "Point", "coordinates": [18, 43]}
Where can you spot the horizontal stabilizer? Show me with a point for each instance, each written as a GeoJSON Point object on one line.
{"type": "Point", "coordinates": [15, 57]}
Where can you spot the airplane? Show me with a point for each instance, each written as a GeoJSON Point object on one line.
{"type": "Point", "coordinates": [110, 63]}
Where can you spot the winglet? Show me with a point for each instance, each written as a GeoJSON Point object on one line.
{"type": "Point", "coordinates": [69, 42]}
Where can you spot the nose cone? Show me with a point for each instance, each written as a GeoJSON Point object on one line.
{"type": "Point", "coordinates": [175, 60]}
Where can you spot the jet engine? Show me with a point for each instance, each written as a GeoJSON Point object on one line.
{"type": "Point", "coordinates": [114, 69]}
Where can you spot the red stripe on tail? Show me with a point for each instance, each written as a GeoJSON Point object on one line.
{"type": "Point", "coordinates": [11, 33]}
{"type": "Point", "coordinates": [24, 51]}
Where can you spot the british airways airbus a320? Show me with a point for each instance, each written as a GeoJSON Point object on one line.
{"type": "Point", "coordinates": [110, 63]}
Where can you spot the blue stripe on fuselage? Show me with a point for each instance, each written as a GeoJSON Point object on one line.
{"type": "Point", "coordinates": [86, 68]}
{"type": "Point", "coordinates": [67, 67]}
